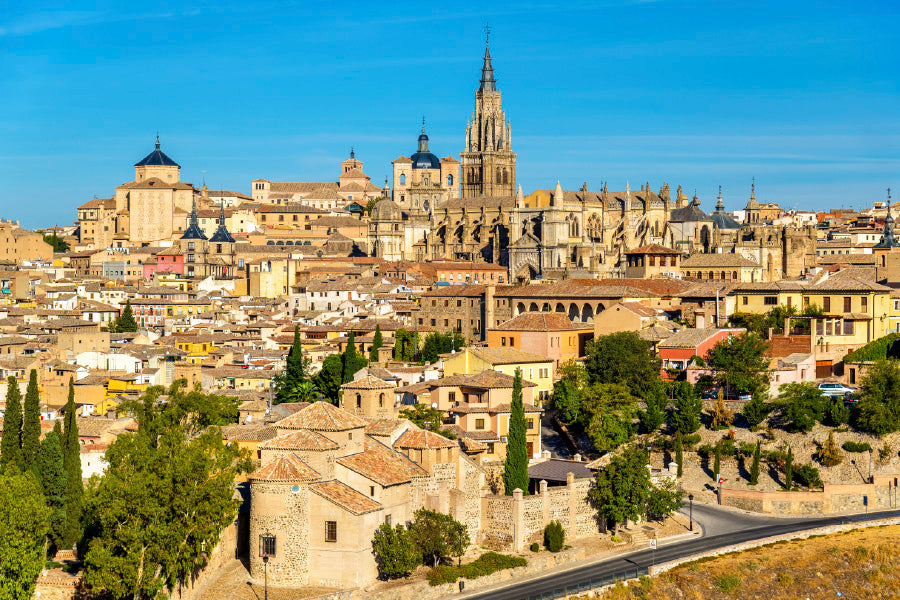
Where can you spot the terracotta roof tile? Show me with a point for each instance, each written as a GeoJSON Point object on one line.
{"type": "Point", "coordinates": [419, 438]}
{"type": "Point", "coordinates": [345, 497]}
{"type": "Point", "coordinates": [382, 465]}
{"type": "Point", "coordinates": [537, 321]}
{"type": "Point", "coordinates": [507, 355]}
{"type": "Point", "coordinates": [369, 382]}
{"type": "Point", "coordinates": [285, 467]}
{"type": "Point", "coordinates": [301, 439]}
{"type": "Point", "coordinates": [322, 416]}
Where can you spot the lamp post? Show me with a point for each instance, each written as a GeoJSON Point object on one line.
{"type": "Point", "coordinates": [691, 500]}
{"type": "Point", "coordinates": [266, 577]}
{"type": "Point", "coordinates": [870, 465]}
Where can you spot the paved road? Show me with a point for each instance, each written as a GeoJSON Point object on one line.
{"type": "Point", "coordinates": [552, 439]}
{"type": "Point", "coordinates": [716, 521]}
{"type": "Point", "coordinates": [642, 559]}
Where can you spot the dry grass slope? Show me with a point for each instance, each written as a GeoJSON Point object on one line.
{"type": "Point", "coordinates": [859, 564]}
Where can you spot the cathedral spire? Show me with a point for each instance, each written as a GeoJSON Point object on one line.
{"type": "Point", "coordinates": [488, 83]}
{"type": "Point", "coordinates": [720, 206]}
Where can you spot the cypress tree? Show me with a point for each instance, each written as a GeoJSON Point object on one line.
{"type": "Point", "coordinates": [31, 422]}
{"type": "Point", "coordinates": [515, 467]}
{"type": "Point", "coordinates": [352, 361]}
{"type": "Point", "coordinates": [72, 464]}
{"type": "Point", "coordinates": [679, 453]}
{"type": "Point", "coordinates": [377, 343]}
{"type": "Point", "coordinates": [50, 470]}
{"type": "Point", "coordinates": [293, 374]}
{"type": "Point", "coordinates": [126, 322]}
{"type": "Point", "coordinates": [11, 446]}
{"type": "Point", "coordinates": [754, 467]}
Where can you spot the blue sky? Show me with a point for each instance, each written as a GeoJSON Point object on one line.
{"type": "Point", "coordinates": [804, 96]}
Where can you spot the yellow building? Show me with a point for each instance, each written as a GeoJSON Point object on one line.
{"type": "Point", "coordinates": [535, 368]}
{"type": "Point", "coordinates": [124, 384]}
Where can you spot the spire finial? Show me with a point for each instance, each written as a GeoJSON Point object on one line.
{"type": "Point", "coordinates": [157, 139]}
{"type": "Point", "coordinates": [423, 123]}
{"type": "Point", "coordinates": [487, 35]}
{"type": "Point", "coordinates": [352, 153]}
{"type": "Point", "coordinates": [753, 188]}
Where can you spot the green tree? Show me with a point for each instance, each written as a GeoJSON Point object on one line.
{"type": "Point", "coordinates": [294, 371]}
{"type": "Point", "coordinates": [610, 410]}
{"type": "Point", "coordinates": [51, 471]}
{"type": "Point", "coordinates": [754, 467]}
{"type": "Point", "coordinates": [305, 391]}
{"type": "Point", "coordinates": [679, 453]}
{"type": "Point", "coordinates": [720, 417]}
{"type": "Point", "coordinates": [554, 536]}
{"type": "Point", "coordinates": [395, 551]}
{"type": "Point", "coordinates": [434, 533]}
{"type": "Point", "coordinates": [879, 398]}
{"type": "Point", "coordinates": [566, 396]}
{"type": "Point", "coordinates": [625, 358]}
{"type": "Point", "coordinates": [755, 410]}
{"type": "Point", "coordinates": [23, 527]}
{"type": "Point", "coordinates": [515, 466]}
{"type": "Point", "coordinates": [457, 540]}
{"type": "Point", "coordinates": [426, 417]}
{"type": "Point", "coordinates": [377, 343]}
{"type": "Point", "coordinates": [838, 412]}
{"type": "Point", "coordinates": [741, 363]}
{"type": "Point", "coordinates": [31, 422]}
{"type": "Point", "coordinates": [622, 487]}
{"type": "Point", "coordinates": [654, 415]}
{"type": "Point", "coordinates": [59, 245]}
{"type": "Point", "coordinates": [11, 444]}
{"type": "Point", "coordinates": [71, 449]}
{"type": "Point", "coordinates": [688, 406]}
{"type": "Point", "coordinates": [802, 405]}
{"type": "Point", "coordinates": [329, 378]}
{"type": "Point", "coordinates": [405, 345]}
{"type": "Point", "coordinates": [167, 493]}
{"type": "Point", "coordinates": [351, 360]}
{"type": "Point", "coordinates": [441, 343]}
{"type": "Point", "coordinates": [125, 323]}
{"type": "Point", "coordinates": [664, 499]}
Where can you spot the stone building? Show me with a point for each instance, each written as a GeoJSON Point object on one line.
{"type": "Point", "coordinates": [18, 244]}
{"type": "Point", "coordinates": [422, 182]}
{"type": "Point", "coordinates": [353, 185]}
{"type": "Point", "coordinates": [207, 257]}
{"type": "Point", "coordinates": [329, 478]}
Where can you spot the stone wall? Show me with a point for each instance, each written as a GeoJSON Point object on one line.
{"type": "Point", "coordinates": [513, 522]}
{"type": "Point", "coordinates": [282, 512]}
{"type": "Point", "coordinates": [881, 494]}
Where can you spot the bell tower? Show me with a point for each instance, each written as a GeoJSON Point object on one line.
{"type": "Point", "coordinates": [488, 164]}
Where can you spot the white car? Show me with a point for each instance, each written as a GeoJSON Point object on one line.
{"type": "Point", "coordinates": [833, 389]}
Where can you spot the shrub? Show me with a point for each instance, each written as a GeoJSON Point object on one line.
{"type": "Point", "coordinates": [877, 350]}
{"type": "Point", "coordinates": [746, 449]}
{"type": "Point", "coordinates": [829, 454]}
{"type": "Point", "coordinates": [486, 564]}
{"type": "Point", "coordinates": [690, 440]}
{"type": "Point", "coordinates": [809, 476]}
{"type": "Point", "coordinates": [838, 412]}
{"type": "Point", "coordinates": [554, 536]}
{"type": "Point", "coordinates": [884, 453]}
{"type": "Point", "coordinates": [850, 446]}
{"type": "Point", "coordinates": [705, 450]}
{"type": "Point", "coordinates": [535, 547]}
{"type": "Point", "coordinates": [727, 447]}
{"type": "Point", "coordinates": [728, 582]}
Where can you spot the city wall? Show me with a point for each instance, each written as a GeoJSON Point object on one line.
{"type": "Point", "coordinates": [878, 495]}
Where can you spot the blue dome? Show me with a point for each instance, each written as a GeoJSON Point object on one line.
{"type": "Point", "coordinates": [425, 160]}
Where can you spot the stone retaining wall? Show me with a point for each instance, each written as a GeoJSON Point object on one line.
{"type": "Point", "coordinates": [881, 494]}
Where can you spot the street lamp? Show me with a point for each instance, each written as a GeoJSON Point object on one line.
{"type": "Point", "coordinates": [266, 577]}
{"type": "Point", "coordinates": [870, 465]}
{"type": "Point", "coordinates": [691, 499]}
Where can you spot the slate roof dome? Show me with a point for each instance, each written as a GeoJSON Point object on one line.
{"type": "Point", "coordinates": [157, 158]}
{"type": "Point", "coordinates": [387, 210]}
{"type": "Point", "coordinates": [721, 218]}
{"type": "Point", "coordinates": [423, 159]}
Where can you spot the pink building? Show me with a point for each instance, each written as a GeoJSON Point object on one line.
{"type": "Point", "coordinates": [170, 260]}
{"type": "Point", "coordinates": [677, 350]}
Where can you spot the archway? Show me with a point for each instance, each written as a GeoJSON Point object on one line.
{"type": "Point", "coordinates": [533, 307]}
{"type": "Point", "coordinates": [587, 313]}
{"type": "Point", "coordinates": [520, 308]}
{"type": "Point", "coordinates": [574, 314]}
{"type": "Point", "coordinates": [560, 308]}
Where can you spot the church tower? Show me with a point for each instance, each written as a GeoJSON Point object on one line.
{"type": "Point", "coordinates": [488, 164]}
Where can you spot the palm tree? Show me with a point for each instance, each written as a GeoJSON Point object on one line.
{"type": "Point", "coordinates": [305, 391]}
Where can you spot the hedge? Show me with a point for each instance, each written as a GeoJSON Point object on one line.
{"type": "Point", "coordinates": [875, 350]}
{"type": "Point", "coordinates": [486, 564]}
{"type": "Point", "coordinates": [856, 447]}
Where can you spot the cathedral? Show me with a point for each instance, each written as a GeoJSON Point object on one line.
{"type": "Point", "coordinates": [472, 210]}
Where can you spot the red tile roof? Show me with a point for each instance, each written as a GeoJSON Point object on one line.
{"type": "Point", "coordinates": [300, 439]}
{"type": "Point", "coordinates": [285, 467]}
{"type": "Point", "coordinates": [538, 321]}
{"type": "Point", "coordinates": [345, 497]}
{"type": "Point", "coordinates": [382, 465]}
{"type": "Point", "coordinates": [322, 416]}
{"type": "Point", "coordinates": [419, 438]}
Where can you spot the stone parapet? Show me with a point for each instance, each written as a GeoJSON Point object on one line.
{"type": "Point", "coordinates": [881, 494]}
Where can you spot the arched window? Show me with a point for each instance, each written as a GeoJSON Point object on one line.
{"type": "Point", "coordinates": [450, 179]}
{"type": "Point", "coordinates": [402, 178]}
{"type": "Point", "coordinates": [499, 175]}
{"type": "Point", "coordinates": [734, 274]}
{"type": "Point", "coordinates": [711, 276]}
{"type": "Point", "coordinates": [358, 401]}
{"type": "Point", "coordinates": [723, 275]}
{"type": "Point", "coordinates": [381, 400]}
{"type": "Point", "coordinates": [505, 175]}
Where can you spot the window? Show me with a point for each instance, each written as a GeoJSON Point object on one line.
{"type": "Point", "coordinates": [330, 531]}
{"type": "Point", "coordinates": [512, 341]}
{"type": "Point", "coordinates": [848, 304]}
{"type": "Point", "coordinates": [848, 327]}
{"type": "Point", "coordinates": [479, 423]}
{"type": "Point", "coordinates": [490, 447]}
{"type": "Point", "coordinates": [530, 423]}
{"type": "Point", "coordinates": [267, 545]}
{"type": "Point", "coordinates": [805, 301]}
{"type": "Point", "coordinates": [744, 302]}
{"type": "Point", "coordinates": [502, 341]}
{"type": "Point", "coordinates": [826, 304]}
{"type": "Point", "coordinates": [770, 300]}
{"type": "Point", "coordinates": [387, 520]}
{"type": "Point", "coordinates": [372, 490]}
{"type": "Point", "coordinates": [864, 304]}
{"type": "Point", "coordinates": [452, 396]}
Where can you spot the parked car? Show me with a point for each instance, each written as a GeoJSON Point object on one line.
{"type": "Point", "coordinates": [834, 389]}
{"type": "Point", "coordinates": [709, 395]}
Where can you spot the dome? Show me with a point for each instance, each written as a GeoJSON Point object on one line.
{"type": "Point", "coordinates": [157, 158]}
{"type": "Point", "coordinates": [425, 160]}
{"type": "Point", "coordinates": [386, 210]}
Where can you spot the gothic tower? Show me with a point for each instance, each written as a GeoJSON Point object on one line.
{"type": "Point", "coordinates": [488, 162]}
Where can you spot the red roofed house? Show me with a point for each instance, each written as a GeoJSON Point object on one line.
{"type": "Point", "coordinates": [678, 349]}
{"type": "Point", "coordinates": [550, 334]}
